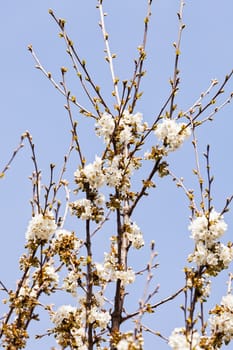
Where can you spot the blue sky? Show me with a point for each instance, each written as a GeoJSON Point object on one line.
{"type": "Point", "coordinates": [29, 102]}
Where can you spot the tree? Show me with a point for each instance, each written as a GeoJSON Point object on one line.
{"type": "Point", "coordinates": [94, 261]}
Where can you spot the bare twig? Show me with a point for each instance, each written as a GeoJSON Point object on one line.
{"type": "Point", "coordinates": [15, 152]}
{"type": "Point", "coordinates": [110, 56]}
{"type": "Point", "coordinates": [175, 81]}
{"type": "Point", "coordinates": [56, 85]}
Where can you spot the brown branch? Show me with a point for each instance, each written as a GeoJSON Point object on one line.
{"type": "Point", "coordinates": [213, 99]}
{"type": "Point", "coordinates": [176, 80]}
{"type": "Point", "coordinates": [15, 152]}
{"type": "Point", "coordinates": [154, 306]}
{"type": "Point", "coordinates": [144, 187]}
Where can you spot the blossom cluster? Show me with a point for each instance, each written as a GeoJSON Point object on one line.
{"type": "Point", "coordinates": [41, 227]}
{"type": "Point", "coordinates": [127, 127]}
{"type": "Point", "coordinates": [68, 330]}
{"type": "Point", "coordinates": [205, 230]}
{"type": "Point", "coordinates": [180, 340]}
{"type": "Point", "coordinates": [46, 278]}
{"type": "Point", "coordinates": [69, 323]}
{"type": "Point", "coordinates": [221, 320]}
{"type": "Point", "coordinates": [172, 134]}
{"type": "Point", "coordinates": [67, 245]}
{"type": "Point", "coordinates": [110, 271]}
{"type": "Point", "coordinates": [70, 283]}
{"type": "Point", "coordinates": [91, 174]}
{"type": "Point", "coordinates": [112, 172]}
{"type": "Point", "coordinates": [87, 209]}
{"type": "Point", "coordinates": [134, 235]}
{"type": "Point", "coordinates": [65, 239]}
{"type": "Point", "coordinates": [129, 341]}
{"type": "Point", "coordinates": [105, 126]}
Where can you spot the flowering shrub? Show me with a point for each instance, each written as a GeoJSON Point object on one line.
{"type": "Point", "coordinates": [58, 260]}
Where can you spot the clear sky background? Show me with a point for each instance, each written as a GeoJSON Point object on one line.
{"type": "Point", "coordinates": [29, 102]}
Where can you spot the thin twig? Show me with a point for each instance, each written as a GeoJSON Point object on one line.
{"type": "Point", "coordinates": [109, 57]}
{"type": "Point", "coordinates": [154, 306]}
{"type": "Point", "coordinates": [15, 152]}
{"type": "Point", "coordinates": [175, 81]}
{"type": "Point", "coordinates": [56, 85]}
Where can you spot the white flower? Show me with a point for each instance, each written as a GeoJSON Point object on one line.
{"type": "Point", "coordinates": [63, 235]}
{"type": "Point", "coordinates": [64, 312]}
{"type": "Point", "coordinates": [227, 302]}
{"type": "Point", "coordinates": [71, 283]}
{"type": "Point", "coordinates": [200, 255]}
{"type": "Point", "coordinates": [125, 134]}
{"type": "Point", "coordinates": [99, 298]}
{"type": "Point", "coordinates": [222, 324]}
{"type": "Point", "coordinates": [27, 291]}
{"type": "Point", "coordinates": [216, 255]}
{"type": "Point", "coordinates": [79, 335]}
{"type": "Point", "coordinates": [40, 227]}
{"type": "Point", "coordinates": [130, 126]}
{"type": "Point", "coordinates": [113, 173]}
{"type": "Point", "coordinates": [212, 259]}
{"type": "Point", "coordinates": [105, 126]}
{"type": "Point", "coordinates": [126, 277]}
{"type": "Point", "coordinates": [100, 200]}
{"type": "Point", "coordinates": [91, 174]}
{"type": "Point", "coordinates": [134, 234]}
{"type": "Point", "coordinates": [172, 134]}
{"type": "Point", "coordinates": [225, 254]}
{"type": "Point", "coordinates": [208, 230]}
{"type": "Point", "coordinates": [134, 121]}
{"type": "Point", "coordinates": [51, 275]}
{"type": "Point", "coordinates": [101, 318]}
{"type": "Point", "coordinates": [122, 345]}
{"type": "Point", "coordinates": [103, 272]}
{"type": "Point", "coordinates": [179, 341]}
{"type": "Point", "coordinates": [82, 208]}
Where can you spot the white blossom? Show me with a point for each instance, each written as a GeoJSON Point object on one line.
{"type": "Point", "coordinates": [137, 120]}
{"type": "Point", "coordinates": [104, 273]}
{"type": "Point", "coordinates": [135, 236]}
{"type": "Point", "coordinates": [105, 126]}
{"type": "Point", "coordinates": [134, 121]}
{"type": "Point", "coordinates": [128, 341]}
{"type": "Point", "coordinates": [100, 200]}
{"type": "Point", "coordinates": [51, 275]}
{"type": "Point", "coordinates": [217, 256]}
{"type": "Point", "coordinates": [179, 341]}
{"type": "Point", "coordinates": [63, 235]}
{"type": "Point", "coordinates": [126, 277]}
{"type": "Point", "coordinates": [208, 252]}
{"type": "Point", "coordinates": [125, 134]}
{"type": "Point", "coordinates": [122, 345]}
{"type": "Point", "coordinates": [227, 302]}
{"type": "Point", "coordinates": [99, 299]}
{"type": "Point", "coordinates": [82, 208]}
{"type": "Point", "coordinates": [225, 254]}
{"type": "Point", "coordinates": [113, 172]}
{"type": "Point", "coordinates": [91, 174]}
{"type": "Point", "coordinates": [208, 230]}
{"type": "Point", "coordinates": [99, 317]}
{"type": "Point", "coordinates": [70, 283]}
{"type": "Point", "coordinates": [27, 291]}
{"type": "Point", "coordinates": [221, 320]}
{"type": "Point", "coordinates": [172, 134]}
{"type": "Point", "coordinates": [40, 227]}
{"type": "Point", "coordinates": [64, 312]}
{"type": "Point", "coordinates": [79, 335]}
